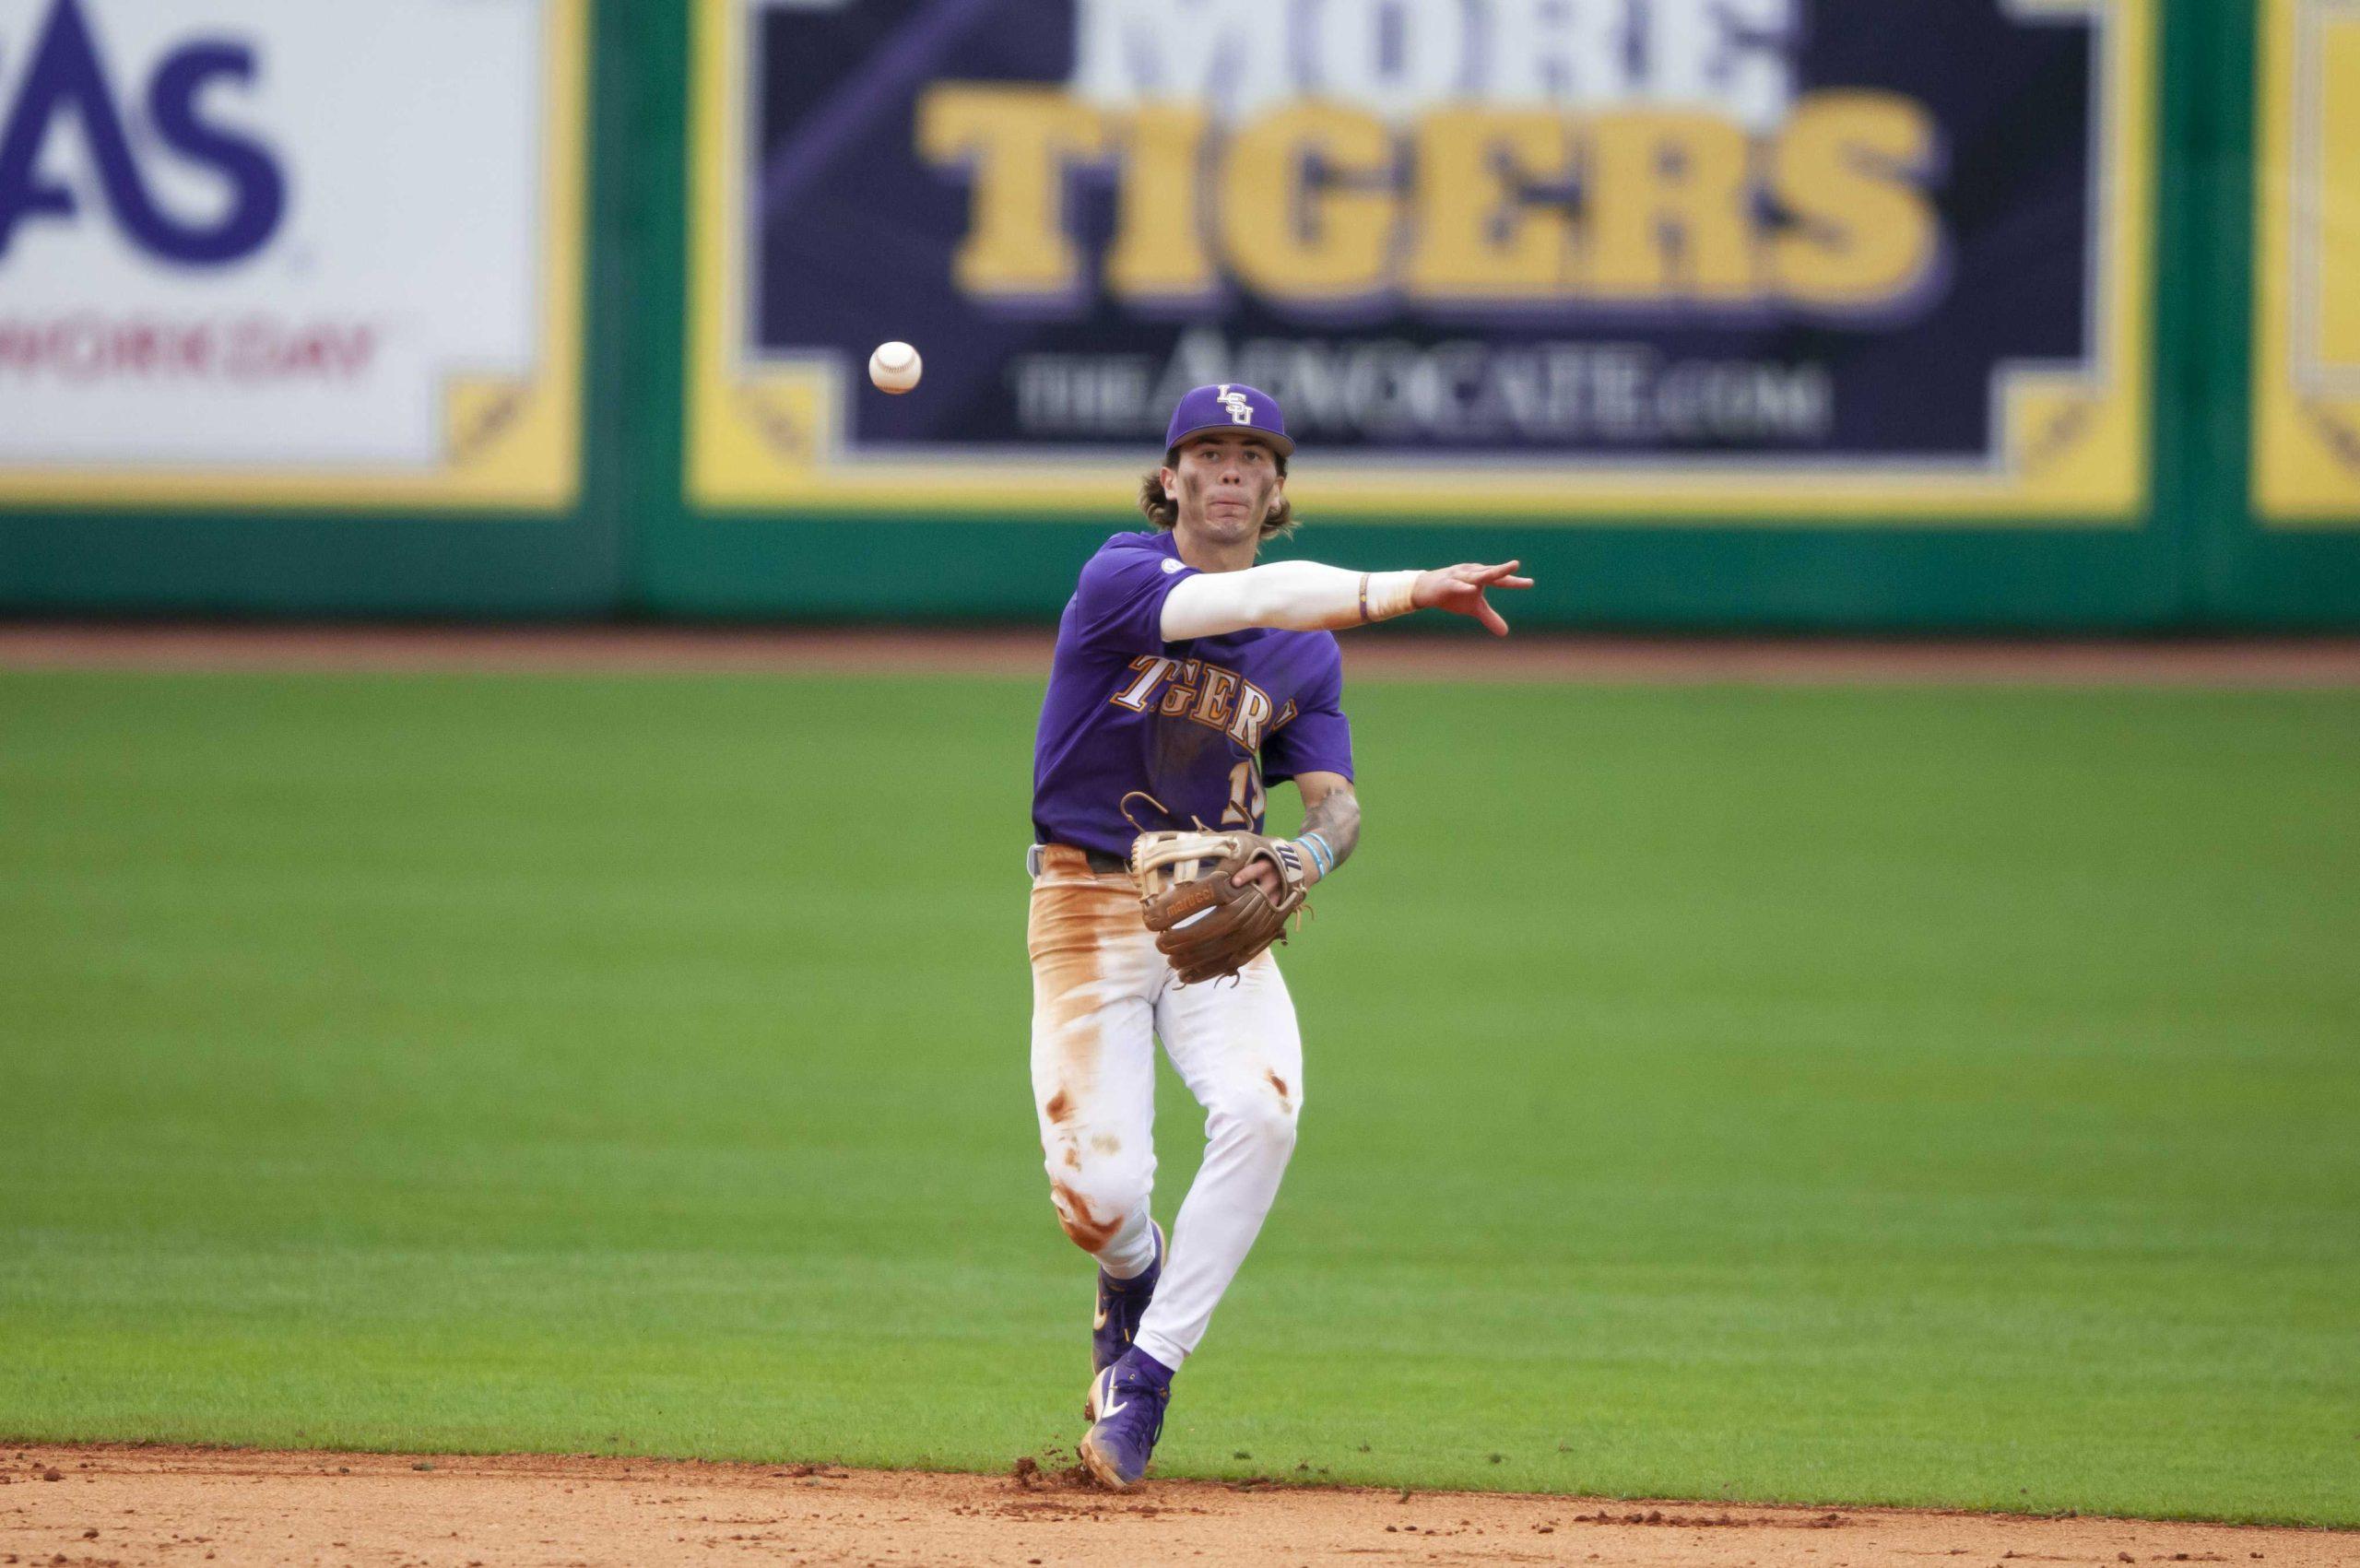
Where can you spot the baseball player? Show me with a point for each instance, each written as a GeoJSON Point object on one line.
{"type": "Point", "coordinates": [1187, 680]}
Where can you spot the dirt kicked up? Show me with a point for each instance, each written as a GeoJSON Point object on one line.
{"type": "Point", "coordinates": [119, 1507]}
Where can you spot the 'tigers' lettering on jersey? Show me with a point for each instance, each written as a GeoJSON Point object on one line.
{"type": "Point", "coordinates": [1203, 693]}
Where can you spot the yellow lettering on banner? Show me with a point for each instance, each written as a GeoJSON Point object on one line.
{"type": "Point", "coordinates": [1478, 238]}
{"type": "Point", "coordinates": [1018, 141]}
{"type": "Point", "coordinates": [1847, 168]}
{"type": "Point", "coordinates": [1159, 250]}
{"type": "Point", "coordinates": [1668, 206]}
{"type": "Point", "coordinates": [1291, 231]}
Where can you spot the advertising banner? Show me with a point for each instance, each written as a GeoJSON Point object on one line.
{"type": "Point", "coordinates": [1818, 260]}
{"type": "Point", "coordinates": [259, 252]}
{"type": "Point", "coordinates": [2306, 271]}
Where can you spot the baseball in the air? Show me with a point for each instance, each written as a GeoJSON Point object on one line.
{"type": "Point", "coordinates": [895, 367]}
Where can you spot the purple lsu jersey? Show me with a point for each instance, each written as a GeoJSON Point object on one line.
{"type": "Point", "coordinates": [1202, 725]}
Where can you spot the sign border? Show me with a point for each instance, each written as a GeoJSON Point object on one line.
{"type": "Point", "coordinates": [2075, 441]}
{"type": "Point", "coordinates": [510, 443]}
{"type": "Point", "coordinates": [2305, 420]}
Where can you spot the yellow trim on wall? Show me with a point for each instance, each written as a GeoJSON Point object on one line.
{"type": "Point", "coordinates": [2306, 267]}
{"type": "Point", "coordinates": [2075, 445]}
{"type": "Point", "coordinates": [510, 443]}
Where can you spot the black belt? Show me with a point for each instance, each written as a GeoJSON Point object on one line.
{"type": "Point", "coordinates": [1100, 861]}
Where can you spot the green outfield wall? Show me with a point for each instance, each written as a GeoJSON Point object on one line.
{"type": "Point", "coordinates": [2081, 353]}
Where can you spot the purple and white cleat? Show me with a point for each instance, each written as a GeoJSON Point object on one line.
{"type": "Point", "coordinates": [1130, 1396]}
{"type": "Point", "coordinates": [1121, 1304]}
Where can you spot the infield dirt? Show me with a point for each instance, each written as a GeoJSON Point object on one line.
{"type": "Point", "coordinates": [117, 1507]}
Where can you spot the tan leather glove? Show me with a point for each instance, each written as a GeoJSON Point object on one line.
{"type": "Point", "coordinates": [1204, 923]}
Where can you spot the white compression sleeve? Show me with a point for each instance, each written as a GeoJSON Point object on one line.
{"type": "Point", "coordinates": [1293, 596]}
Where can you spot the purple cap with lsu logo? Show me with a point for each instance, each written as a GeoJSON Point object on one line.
{"type": "Point", "coordinates": [1228, 406]}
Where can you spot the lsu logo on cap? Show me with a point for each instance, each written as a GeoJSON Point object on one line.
{"type": "Point", "coordinates": [1226, 406]}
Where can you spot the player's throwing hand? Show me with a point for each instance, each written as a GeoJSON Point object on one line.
{"type": "Point", "coordinates": [1459, 590]}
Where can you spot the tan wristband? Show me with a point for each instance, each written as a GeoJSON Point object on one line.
{"type": "Point", "coordinates": [1385, 594]}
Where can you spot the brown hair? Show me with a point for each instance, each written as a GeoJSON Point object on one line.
{"type": "Point", "coordinates": [1157, 507]}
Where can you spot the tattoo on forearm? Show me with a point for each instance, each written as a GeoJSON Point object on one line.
{"type": "Point", "coordinates": [1337, 820]}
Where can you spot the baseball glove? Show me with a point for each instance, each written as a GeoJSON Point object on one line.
{"type": "Point", "coordinates": [1205, 924]}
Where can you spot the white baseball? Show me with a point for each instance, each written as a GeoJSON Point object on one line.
{"type": "Point", "coordinates": [895, 367]}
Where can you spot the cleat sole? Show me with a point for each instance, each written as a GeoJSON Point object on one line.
{"type": "Point", "coordinates": [1101, 1468]}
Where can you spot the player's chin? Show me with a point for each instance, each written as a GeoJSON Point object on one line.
{"type": "Point", "coordinates": [1231, 521]}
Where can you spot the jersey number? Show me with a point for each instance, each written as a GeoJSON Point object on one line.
{"type": "Point", "coordinates": [1247, 796]}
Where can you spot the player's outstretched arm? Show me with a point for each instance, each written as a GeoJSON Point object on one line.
{"type": "Point", "coordinates": [1303, 596]}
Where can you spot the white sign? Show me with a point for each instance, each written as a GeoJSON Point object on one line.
{"type": "Point", "coordinates": [257, 249]}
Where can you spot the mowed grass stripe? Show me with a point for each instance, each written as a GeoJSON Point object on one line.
{"type": "Point", "coordinates": [1914, 1096]}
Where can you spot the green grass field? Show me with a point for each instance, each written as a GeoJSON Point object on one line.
{"type": "Point", "coordinates": [1925, 1097]}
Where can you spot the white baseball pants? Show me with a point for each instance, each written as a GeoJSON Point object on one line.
{"type": "Point", "coordinates": [1102, 996]}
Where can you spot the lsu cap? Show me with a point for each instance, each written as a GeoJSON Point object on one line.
{"type": "Point", "coordinates": [1228, 406]}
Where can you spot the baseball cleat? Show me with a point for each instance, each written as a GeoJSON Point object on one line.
{"type": "Point", "coordinates": [1121, 1304]}
{"type": "Point", "coordinates": [1131, 1394]}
